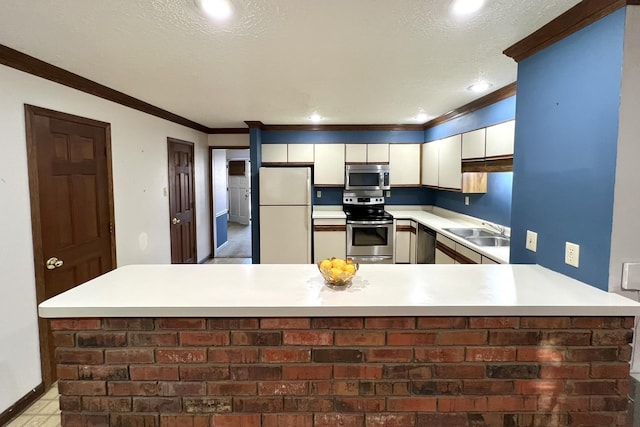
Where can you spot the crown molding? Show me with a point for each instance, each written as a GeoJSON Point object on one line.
{"type": "Point", "coordinates": [578, 17]}
{"type": "Point", "coordinates": [491, 98]}
{"type": "Point", "coordinates": [28, 64]}
{"type": "Point", "coordinates": [213, 131]}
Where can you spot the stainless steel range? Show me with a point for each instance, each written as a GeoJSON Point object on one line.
{"type": "Point", "coordinates": [369, 227]}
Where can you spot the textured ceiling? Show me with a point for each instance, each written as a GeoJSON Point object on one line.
{"type": "Point", "coordinates": [278, 61]}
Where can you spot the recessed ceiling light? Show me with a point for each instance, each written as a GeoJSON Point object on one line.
{"type": "Point", "coordinates": [479, 87]}
{"type": "Point", "coordinates": [466, 7]}
{"type": "Point", "coordinates": [316, 118]}
{"type": "Point", "coordinates": [217, 9]}
{"type": "Point", "coordinates": [421, 117]}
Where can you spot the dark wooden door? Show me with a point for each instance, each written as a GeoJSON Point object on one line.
{"type": "Point", "coordinates": [182, 204]}
{"type": "Point", "coordinates": [72, 207]}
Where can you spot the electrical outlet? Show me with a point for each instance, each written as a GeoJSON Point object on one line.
{"type": "Point", "coordinates": [532, 240]}
{"type": "Point", "coordinates": [387, 193]}
{"type": "Point", "coordinates": [466, 200]}
{"type": "Point", "coordinates": [318, 194]}
{"type": "Point", "coordinates": [572, 254]}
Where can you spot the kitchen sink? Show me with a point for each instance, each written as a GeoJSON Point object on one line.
{"type": "Point", "coordinates": [472, 232]}
{"type": "Point", "coordinates": [489, 240]}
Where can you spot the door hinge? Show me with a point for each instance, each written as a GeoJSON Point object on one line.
{"type": "Point", "coordinates": [110, 227]}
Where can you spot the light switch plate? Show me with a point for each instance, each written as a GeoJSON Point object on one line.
{"type": "Point", "coordinates": [631, 276]}
{"type": "Point", "coordinates": [532, 240]}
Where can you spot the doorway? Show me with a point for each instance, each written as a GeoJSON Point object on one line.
{"type": "Point", "coordinates": [231, 205]}
{"type": "Point", "coordinates": [70, 186]}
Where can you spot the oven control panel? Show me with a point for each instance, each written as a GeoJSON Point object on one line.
{"type": "Point", "coordinates": [363, 199]}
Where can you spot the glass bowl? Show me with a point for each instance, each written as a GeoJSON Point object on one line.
{"type": "Point", "coordinates": [338, 276]}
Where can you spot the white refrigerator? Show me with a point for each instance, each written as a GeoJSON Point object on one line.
{"type": "Point", "coordinates": [285, 215]}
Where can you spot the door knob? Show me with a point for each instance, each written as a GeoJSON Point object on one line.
{"type": "Point", "coordinates": [175, 221]}
{"type": "Point", "coordinates": [53, 263]}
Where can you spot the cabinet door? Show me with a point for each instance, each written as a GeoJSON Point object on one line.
{"type": "Point", "coordinates": [442, 258]}
{"type": "Point", "coordinates": [500, 139]}
{"type": "Point", "coordinates": [355, 153]}
{"type": "Point", "coordinates": [430, 163]}
{"type": "Point", "coordinates": [300, 153]}
{"type": "Point", "coordinates": [450, 163]}
{"type": "Point", "coordinates": [377, 153]}
{"type": "Point", "coordinates": [404, 164]}
{"type": "Point", "coordinates": [327, 244]}
{"type": "Point", "coordinates": [412, 244]}
{"type": "Point", "coordinates": [473, 144]}
{"type": "Point", "coordinates": [329, 164]}
{"type": "Point", "coordinates": [468, 253]}
{"type": "Point", "coordinates": [486, 260]}
{"type": "Point", "coordinates": [403, 247]}
{"type": "Point", "coordinates": [274, 153]}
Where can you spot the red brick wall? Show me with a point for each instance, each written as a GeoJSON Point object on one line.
{"type": "Point", "coordinates": [366, 372]}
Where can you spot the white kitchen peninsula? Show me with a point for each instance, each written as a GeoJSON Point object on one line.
{"type": "Point", "coordinates": [404, 344]}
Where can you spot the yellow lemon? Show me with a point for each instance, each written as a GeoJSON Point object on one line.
{"type": "Point", "coordinates": [336, 272]}
{"type": "Point", "coordinates": [325, 264]}
{"type": "Point", "coordinates": [349, 268]}
{"type": "Point", "coordinates": [337, 263]}
{"type": "Point", "coordinates": [349, 261]}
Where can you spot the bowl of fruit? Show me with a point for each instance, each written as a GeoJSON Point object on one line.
{"type": "Point", "coordinates": [338, 272]}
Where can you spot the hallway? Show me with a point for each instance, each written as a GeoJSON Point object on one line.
{"type": "Point", "coordinates": [238, 245]}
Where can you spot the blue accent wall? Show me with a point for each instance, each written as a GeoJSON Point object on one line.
{"type": "Point", "coordinates": [493, 206]}
{"type": "Point", "coordinates": [399, 196]}
{"type": "Point", "coordinates": [499, 112]}
{"type": "Point", "coordinates": [221, 230]}
{"type": "Point", "coordinates": [339, 137]}
{"type": "Point", "coordinates": [255, 157]}
{"type": "Point", "coordinates": [565, 152]}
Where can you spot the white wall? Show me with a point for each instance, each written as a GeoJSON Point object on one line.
{"type": "Point", "coordinates": [625, 232]}
{"type": "Point", "coordinates": [139, 145]}
{"type": "Point", "coordinates": [229, 140]}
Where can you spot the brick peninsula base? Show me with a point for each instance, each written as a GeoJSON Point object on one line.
{"type": "Point", "coordinates": [356, 371]}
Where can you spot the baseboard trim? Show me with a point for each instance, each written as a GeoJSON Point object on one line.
{"type": "Point", "coordinates": [22, 404]}
{"type": "Point", "coordinates": [205, 259]}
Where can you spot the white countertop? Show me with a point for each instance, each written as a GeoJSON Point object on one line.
{"type": "Point", "coordinates": [228, 290]}
{"type": "Point", "coordinates": [438, 223]}
{"type": "Point", "coordinates": [436, 220]}
{"type": "Point", "coordinates": [328, 212]}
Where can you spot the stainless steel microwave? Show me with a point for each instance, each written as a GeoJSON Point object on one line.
{"type": "Point", "coordinates": [367, 177]}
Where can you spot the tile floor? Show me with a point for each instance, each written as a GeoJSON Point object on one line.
{"type": "Point", "coordinates": [45, 412]}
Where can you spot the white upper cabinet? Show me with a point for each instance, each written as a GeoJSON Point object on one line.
{"type": "Point", "coordinates": [430, 163]}
{"type": "Point", "coordinates": [404, 164]}
{"type": "Point", "coordinates": [500, 139]}
{"type": "Point", "coordinates": [329, 164]}
{"type": "Point", "coordinates": [355, 153]}
{"type": "Point", "coordinates": [366, 153]}
{"type": "Point", "coordinates": [274, 153]}
{"type": "Point", "coordinates": [300, 153]}
{"type": "Point", "coordinates": [450, 163]}
{"type": "Point", "coordinates": [287, 153]}
{"type": "Point", "coordinates": [377, 153]}
{"type": "Point", "coordinates": [473, 144]}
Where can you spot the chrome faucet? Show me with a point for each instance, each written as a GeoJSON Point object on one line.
{"type": "Point", "coordinates": [499, 228]}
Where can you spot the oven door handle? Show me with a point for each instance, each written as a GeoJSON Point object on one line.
{"type": "Point", "coordinates": [378, 223]}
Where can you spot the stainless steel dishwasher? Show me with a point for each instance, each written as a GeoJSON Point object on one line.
{"type": "Point", "coordinates": [426, 245]}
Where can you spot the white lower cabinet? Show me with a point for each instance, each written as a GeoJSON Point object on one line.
{"type": "Point", "coordinates": [405, 243]}
{"type": "Point", "coordinates": [442, 258]}
{"type": "Point", "coordinates": [329, 239]}
{"type": "Point", "coordinates": [449, 251]}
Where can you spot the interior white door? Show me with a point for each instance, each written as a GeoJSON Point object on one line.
{"type": "Point", "coordinates": [285, 234]}
{"type": "Point", "coordinates": [239, 199]}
